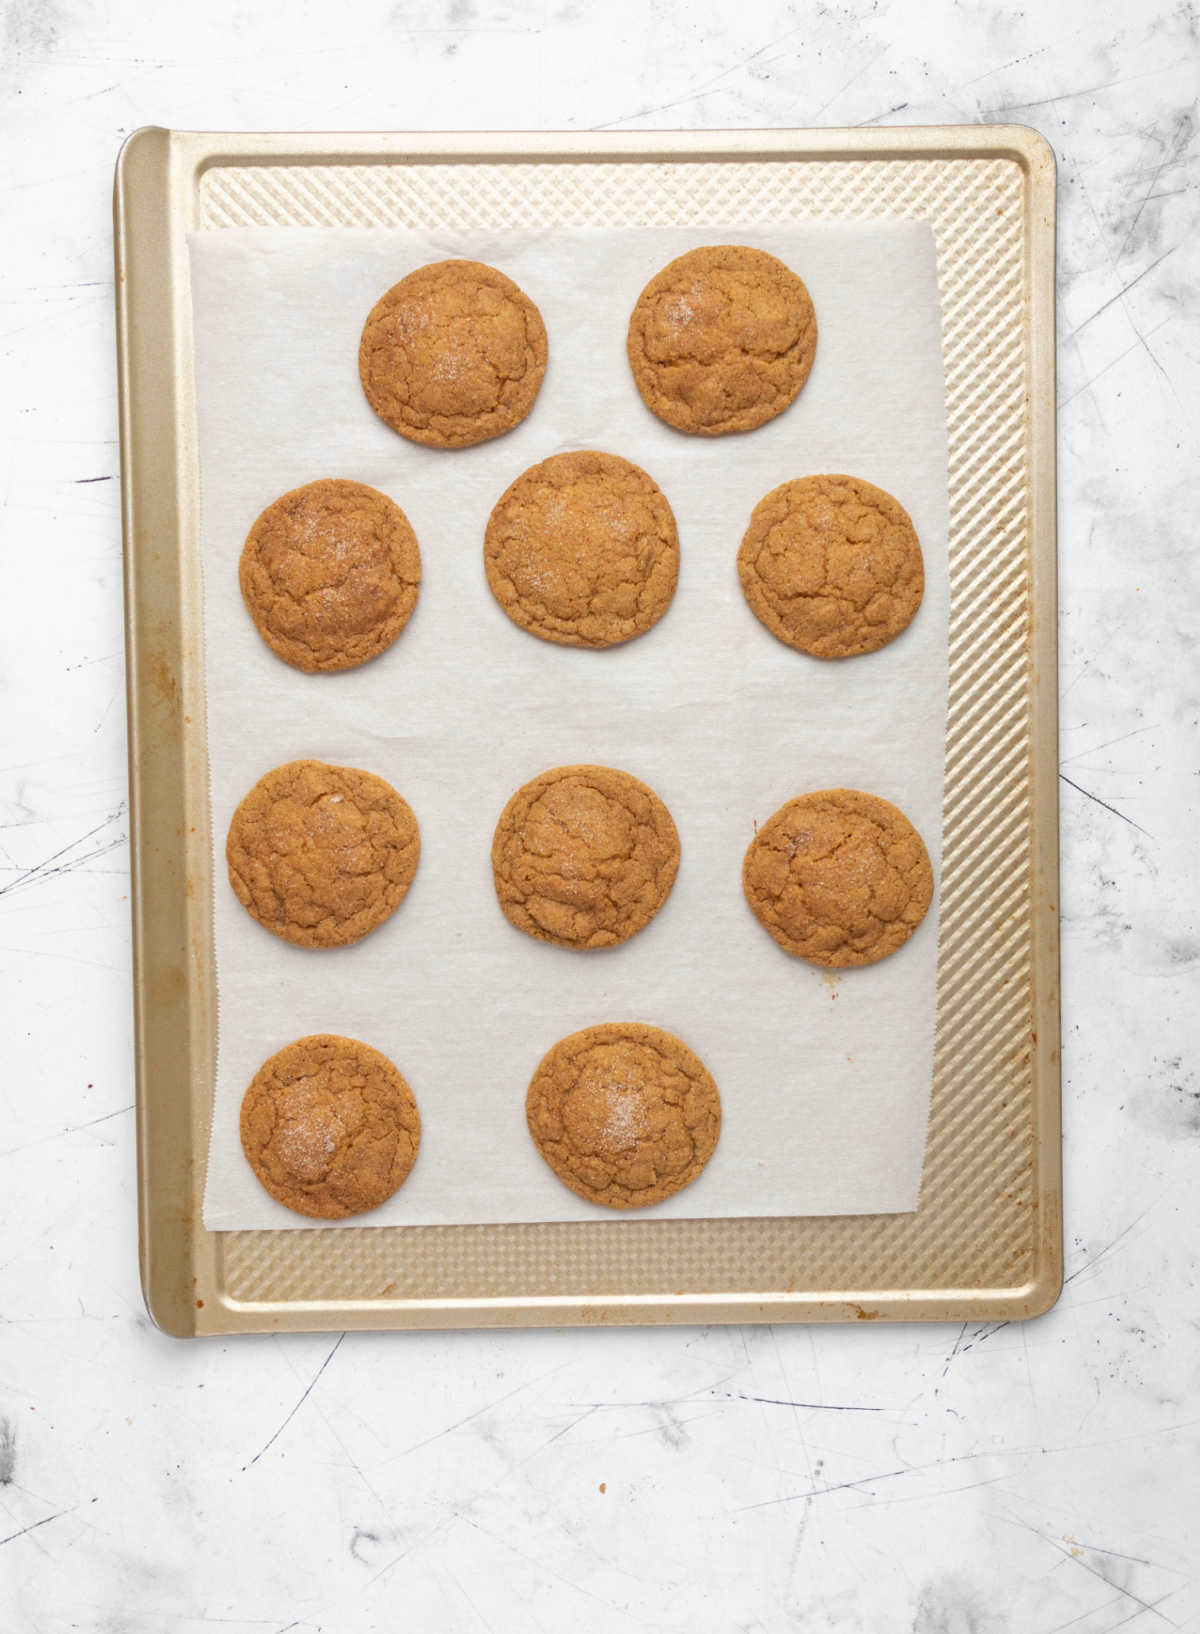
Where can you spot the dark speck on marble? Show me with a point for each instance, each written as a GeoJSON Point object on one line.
{"type": "Point", "coordinates": [1184, 1105]}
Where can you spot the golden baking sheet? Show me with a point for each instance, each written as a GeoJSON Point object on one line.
{"type": "Point", "coordinates": [986, 1240]}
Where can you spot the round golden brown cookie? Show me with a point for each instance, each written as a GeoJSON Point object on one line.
{"type": "Point", "coordinates": [584, 856]}
{"type": "Point", "coordinates": [330, 1127]}
{"type": "Point", "coordinates": [330, 574]}
{"type": "Point", "coordinates": [722, 340]}
{"type": "Point", "coordinates": [832, 566]}
{"type": "Point", "coordinates": [582, 550]}
{"type": "Point", "coordinates": [838, 878]}
{"type": "Point", "coordinates": [453, 354]}
{"type": "Point", "coordinates": [322, 854]}
{"type": "Point", "coordinates": [624, 1114]}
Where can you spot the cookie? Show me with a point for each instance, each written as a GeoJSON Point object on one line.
{"type": "Point", "coordinates": [582, 550]}
{"type": "Point", "coordinates": [453, 354]}
{"type": "Point", "coordinates": [329, 574]}
{"type": "Point", "coordinates": [624, 1114]}
{"type": "Point", "coordinates": [838, 878]}
{"type": "Point", "coordinates": [330, 1127]}
{"type": "Point", "coordinates": [722, 340]}
{"type": "Point", "coordinates": [322, 854]}
{"type": "Point", "coordinates": [584, 856]}
{"type": "Point", "coordinates": [832, 566]}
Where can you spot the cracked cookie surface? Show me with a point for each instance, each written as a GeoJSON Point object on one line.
{"type": "Point", "coordinates": [722, 339]}
{"type": "Point", "coordinates": [322, 854]}
{"type": "Point", "coordinates": [624, 1114]}
{"type": "Point", "coordinates": [582, 550]}
{"type": "Point", "coordinates": [453, 354]}
{"type": "Point", "coordinates": [838, 877]}
{"type": "Point", "coordinates": [330, 1127]}
{"type": "Point", "coordinates": [832, 566]}
{"type": "Point", "coordinates": [584, 856]}
{"type": "Point", "coordinates": [329, 574]}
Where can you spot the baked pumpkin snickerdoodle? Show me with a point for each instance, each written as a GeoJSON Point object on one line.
{"type": "Point", "coordinates": [320, 854]}
{"type": "Point", "coordinates": [584, 856]}
{"type": "Point", "coordinates": [838, 877]}
{"type": "Point", "coordinates": [582, 550]}
{"type": "Point", "coordinates": [624, 1114]}
{"type": "Point", "coordinates": [330, 1127]}
{"type": "Point", "coordinates": [329, 574]}
{"type": "Point", "coordinates": [453, 354]}
{"type": "Point", "coordinates": [832, 566]}
{"type": "Point", "coordinates": [722, 339]}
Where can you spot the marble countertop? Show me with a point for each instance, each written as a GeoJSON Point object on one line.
{"type": "Point", "coordinates": [947, 1480]}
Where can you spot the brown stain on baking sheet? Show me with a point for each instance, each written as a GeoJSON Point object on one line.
{"type": "Point", "coordinates": [160, 682]}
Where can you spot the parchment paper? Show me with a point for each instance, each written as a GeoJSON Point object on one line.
{"type": "Point", "coordinates": [824, 1080]}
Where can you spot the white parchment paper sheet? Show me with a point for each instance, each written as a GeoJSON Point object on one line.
{"type": "Point", "coordinates": [824, 1081]}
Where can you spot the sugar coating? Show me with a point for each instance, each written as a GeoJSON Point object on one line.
{"type": "Point", "coordinates": [832, 566]}
{"type": "Point", "coordinates": [330, 1127]}
{"type": "Point", "coordinates": [722, 339]}
{"type": "Point", "coordinates": [624, 1114]}
{"type": "Point", "coordinates": [584, 856]}
{"type": "Point", "coordinates": [321, 854]}
{"type": "Point", "coordinates": [582, 550]}
{"type": "Point", "coordinates": [329, 574]}
{"type": "Point", "coordinates": [838, 877]}
{"type": "Point", "coordinates": [453, 354]}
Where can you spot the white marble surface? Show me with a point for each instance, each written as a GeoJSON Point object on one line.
{"type": "Point", "coordinates": [943, 1480]}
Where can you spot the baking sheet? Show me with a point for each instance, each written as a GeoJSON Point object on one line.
{"type": "Point", "coordinates": [823, 1112]}
{"type": "Point", "coordinates": [985, 1243]}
